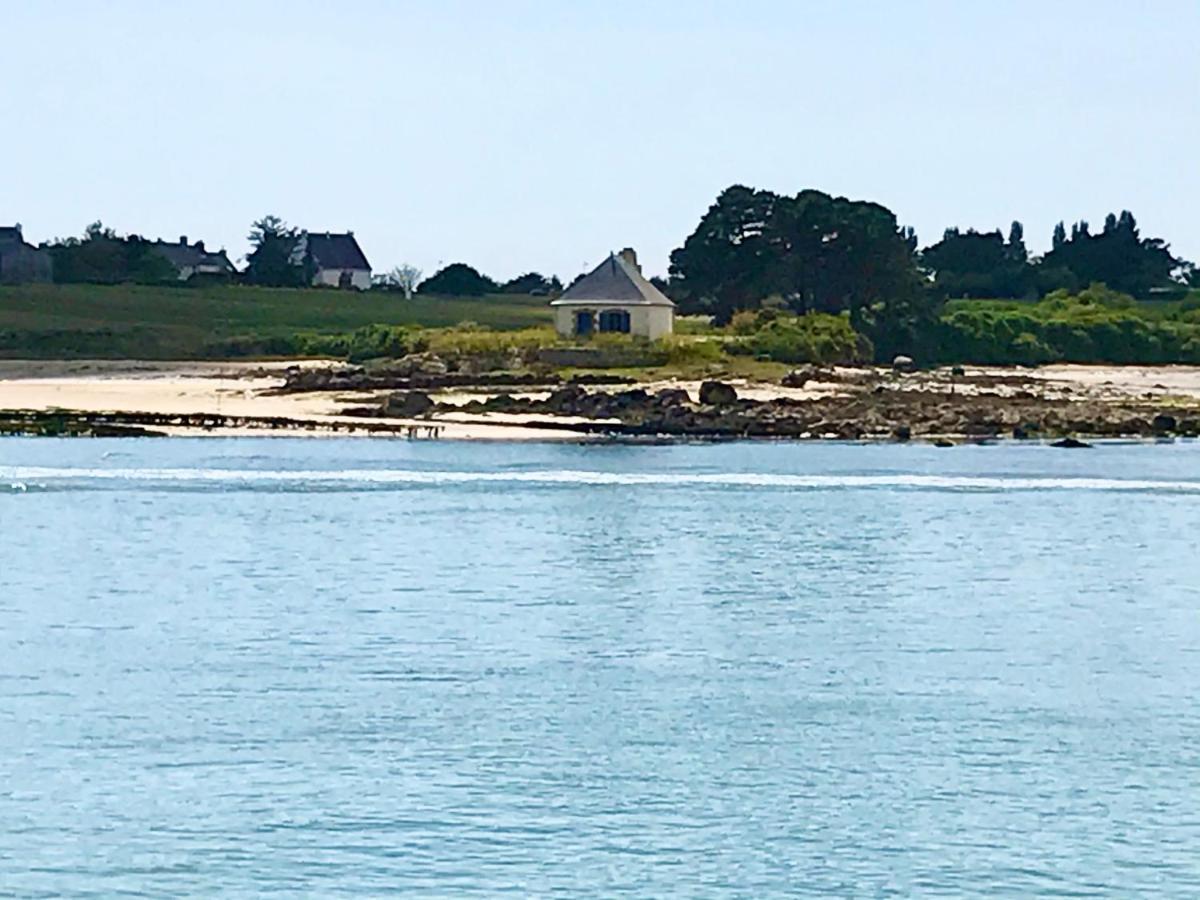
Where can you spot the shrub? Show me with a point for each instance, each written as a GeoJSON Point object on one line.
{"type": "Point", "coordinates": [692, 352]}
{"type": "Point", "coordinates": [1094, 325]}
{"type": "Point", "coordinates": [469, 339]}
{"type": "Point", "coordinates": [814, 338]}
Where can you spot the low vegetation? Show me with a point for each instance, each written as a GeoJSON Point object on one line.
{"type": "Point", "coordinates": [1093, 326]}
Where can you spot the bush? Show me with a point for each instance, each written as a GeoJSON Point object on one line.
{"type": "Point", "coordinates": [368, 342]}
{"type": "Point", "coordinates": [469, 339]}
{"type": "Point", "coordinates": [692, 352]}
{"type": "Point", "coordinates": [1094, 325]}
{"type": "Point", "coordinates": [815, 338]}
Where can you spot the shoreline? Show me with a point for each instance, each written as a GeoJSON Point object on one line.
{"type": "Point", "coordinates": [233, 399]}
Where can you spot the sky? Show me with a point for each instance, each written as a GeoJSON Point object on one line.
{"type": "Point", "coordinates": [521, 135]}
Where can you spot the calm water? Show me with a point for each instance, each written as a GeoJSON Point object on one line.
{"type": "Point", "coordinates": [361, 667]}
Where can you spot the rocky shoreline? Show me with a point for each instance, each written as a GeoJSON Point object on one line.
{"type": "Point", "coordinates": [811, 403]}
{"type": "Point", "coordinates": [871, 407]}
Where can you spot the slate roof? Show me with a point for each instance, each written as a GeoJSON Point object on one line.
{"type": "Point", "coordinates": [336, 251]}
{"type": "Point", "coordinates": [11, 234]}
{"type": "Point", "coordinates": [194, 255]}
{"type": "Point", "coordinates": [613, 281]}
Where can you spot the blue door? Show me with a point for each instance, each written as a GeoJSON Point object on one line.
{"type": "Point", "coordinates": [583, 323]}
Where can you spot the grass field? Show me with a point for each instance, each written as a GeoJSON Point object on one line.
{"type": "Point", "coordinates": [139, 322]}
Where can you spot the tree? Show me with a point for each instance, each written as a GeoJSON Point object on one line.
{"type": "Point", "coordinates": [458, 280]}
{"type": "Point", "coordinates": [814, 253]}
{"type": "Point", "coordinates": [979, 264]}
{"type": "Point", "coordinates": [102, 256]}
{"type": "Point", "coordinates": [726, 264]}
{"type": "Point", "coordinates": [405, 277]}
{"type": "Point", "coordinates": [1017, 250]}
{"type": "Point", "coordinates": [532, 283]}
{"type": "Point", "coordinates": [274, 260]}
{"type": "Point", "coordinates": [1060, 236]}
{"type": "Point", "coordinates": [1118, 257]}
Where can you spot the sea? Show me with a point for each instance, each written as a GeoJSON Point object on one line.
{"type": "Point", "coordinates": [367, 668]}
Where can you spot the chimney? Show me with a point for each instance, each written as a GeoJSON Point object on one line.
{"type": "Point", "coordinates": [17, 229]}
{"type": "Point", "coordinates": [199, 245]}
{"type": "Point", "coordinates": [630, 257]}
{"type": "Point", "coordinates": [183, 240]}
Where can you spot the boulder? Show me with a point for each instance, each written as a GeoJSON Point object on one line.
{"type": "Point", "coordinates": [904, 364]}
{"type": "Point", "coordinates": [1070, 443]}
{"type": "Point", "coordinates": [501, 403]}
{"type": "Point", "coordinates": [717, 393]}
{"type": "Point", "coordinates": [669, 397]}
{"type": "Point", "coordinates": [902, 433]}
{"type": "Point", "coordinates": [407, 404]}
{"type": "Point", "coordinates": [958, 371]}
{"type": "Point", "coordinates": [798, 378]}
{"type": "Point", "coordinates": [1163, 422]}
{"type": "Point", "coordinates": [567, 399]}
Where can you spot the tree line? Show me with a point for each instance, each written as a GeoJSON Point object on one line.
{"type": "Point", "coordinates": [815, 253]}
{"type": "Point", "coordinates": [101, 256]}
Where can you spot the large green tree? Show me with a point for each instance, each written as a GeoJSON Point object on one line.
{"type": "Point", "coordinates": [979, 264]}
{"type": "Point", "coordinates": [812, 253]}
{"type": "Point", "coordinates": [458, 280]}
{"type": "Point", "coordinates": [102, 256]}
{"type": "Point", "coordinates": [1118, 256]}
{"type": "Point", "coordinates": [274, 261]}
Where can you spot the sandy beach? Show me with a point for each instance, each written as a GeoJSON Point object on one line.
{"type": "Point", "coordinates": [250, 391]}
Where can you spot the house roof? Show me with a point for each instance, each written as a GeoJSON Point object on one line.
{"type": "Point", "coordinates": [11, 234]}
{"type": "Point", "coordinates": [615, 281]}
{"type": "Point", "coordinates": [336, 251]}
{"type": "Point", "coordinates": [180, 255]}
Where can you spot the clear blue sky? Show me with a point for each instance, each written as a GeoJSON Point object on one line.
{"type": "Point", "coordinates": [518, 134]}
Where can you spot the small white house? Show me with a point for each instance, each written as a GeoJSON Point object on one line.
{"type": "Point", "coordinates": [614, 297]}
{"type": "Point", "coordinates": [335, 260]}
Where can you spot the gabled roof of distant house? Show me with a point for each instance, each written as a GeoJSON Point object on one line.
{"type": "Point", "coordinates": [336, 251]}
{"type": "Point", "coordinates": [11, 234]}
{"type": "Point", "coordinates": [617, 280]}
{"type": "Point", "coordinates": [183, 254]}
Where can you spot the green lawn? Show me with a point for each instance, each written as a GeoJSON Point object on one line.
{"type": "Point", "coordinates": [142, 322]}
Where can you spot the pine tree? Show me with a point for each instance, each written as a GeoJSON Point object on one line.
{"type": "Point", "coordinates": [1016, 242]}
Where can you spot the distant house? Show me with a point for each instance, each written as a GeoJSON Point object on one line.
{"type": "Point", "coordinates": [20, 262]}
{"type": "Point", "coordinates": [335, 260]}
{"type": "Point", "coordinates": [194, 260]}
{"type": "Point", "coordinates": [614, 297]}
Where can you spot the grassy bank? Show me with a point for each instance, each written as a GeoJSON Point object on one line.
{"type": "Point", "coordinates": [141, 322]}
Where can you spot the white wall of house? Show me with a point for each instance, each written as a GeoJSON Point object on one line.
{"type": "Point", "coordinates": [650, 322]}
{"type": "Point", "coordinates": [360, 279]}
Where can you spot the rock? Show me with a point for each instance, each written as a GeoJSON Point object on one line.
{"type": "Point", "coordinates": [631, 399]}
{"type": "Point", "coordinates": [942, 442]}
{"type": "Point", "coordinates": [798, 378]}
{"type": "Point", "coordinates": [958, 371]}
{"type": "Point", "coordinates": [902, 433]}
{"type": "Point", "coordinates": [717, 393]}
{"type": "Point", "coordinates": [1070, 443]}
{"type": "Point", "coordinates": [426, 364]}
{"type": "Point", "coordinates": [669, 397]}
{"type": "Point", "coordinates": [407, 404]}
{"type": "Point", "coordinates": [567, 399]}
{"type": "Point", "coordinates": [1163, 422]}
{"type": "Point", "coordinates": [904, 364]}
{"type": "Point", "coordinates": [501, 403]}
